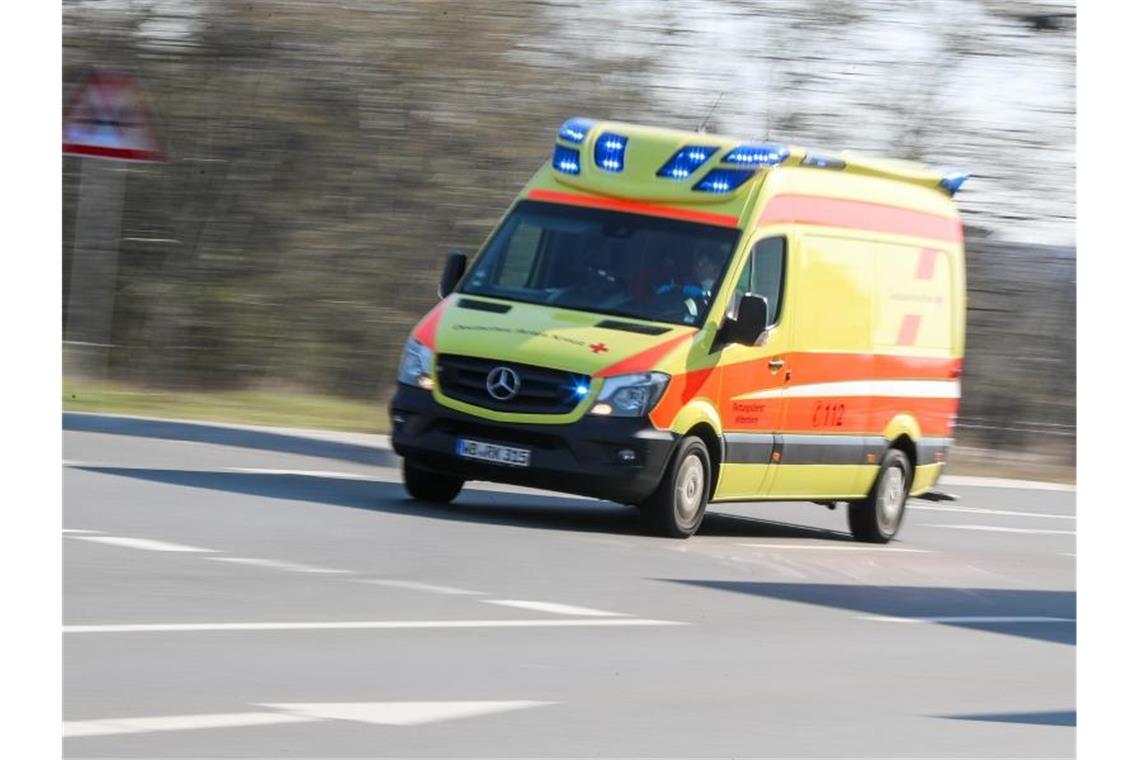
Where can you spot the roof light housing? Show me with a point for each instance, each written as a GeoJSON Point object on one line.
{"type": "Point", "coordinates": [820, 161]}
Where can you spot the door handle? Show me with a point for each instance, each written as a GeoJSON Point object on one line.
{"type": "Point", "coordinates": [775, 364]}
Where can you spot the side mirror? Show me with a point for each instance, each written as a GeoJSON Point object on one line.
{"type": "Point", "coordinates": [749, 323]}
{"type": "Point", "coordinates": [453, 270]}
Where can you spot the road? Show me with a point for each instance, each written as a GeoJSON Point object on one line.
{"type": "Point", "coordinates": [244, 597]}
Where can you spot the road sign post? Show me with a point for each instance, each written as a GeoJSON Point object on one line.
{"type": "Point", "coordinates": [106, 122]}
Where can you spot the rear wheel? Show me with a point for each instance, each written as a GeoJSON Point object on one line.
{"type": "Point", "coordinates": [677, 507]}
{"type": "Point", "coordinates": [426, 485]}
{"type": "Point", "coordinates": [877, 518]}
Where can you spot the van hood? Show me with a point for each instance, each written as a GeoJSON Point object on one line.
{"type": "Point", "coordinates": [547, 336]}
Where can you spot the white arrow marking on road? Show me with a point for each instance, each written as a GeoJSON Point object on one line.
{"type": "Point", "coordinates": [143, 543]}
{"type": "Point", "coordinates": [379, 713]}
{"type": "Point", "coordinates": [997, 529]}
{"type": "Point", "coordinates": [400, 713]}
{"type": "Point", "coordinates": [551, 607]}
{"type": "Point", "coordinates": [365, 625]}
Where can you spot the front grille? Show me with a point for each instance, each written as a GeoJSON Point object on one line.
{"type": "Point", "coordinates": [541, 390]}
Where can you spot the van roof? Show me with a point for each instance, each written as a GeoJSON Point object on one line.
{"type": "Point", "coordinates": [653, 163]}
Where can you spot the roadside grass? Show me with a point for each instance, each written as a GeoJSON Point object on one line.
{"type": "Point", "coordinates": [253, 407]}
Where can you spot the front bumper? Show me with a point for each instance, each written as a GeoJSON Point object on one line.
{"type": "Point", "coordinates": [579, 458]}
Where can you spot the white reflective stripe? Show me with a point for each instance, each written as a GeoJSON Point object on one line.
{"type": "Point", "coordinates": [892, 388]}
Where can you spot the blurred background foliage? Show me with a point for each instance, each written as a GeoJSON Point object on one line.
{"type": "Point", "coordinates": [324, 156]}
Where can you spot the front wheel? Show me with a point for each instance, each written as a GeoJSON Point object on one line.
{"type": "Point", "coordinates": [877, 518]}
{"type": "Point", "coordinates": [425, 485]}
{"type": "Point", "coordinates": [677, 507]}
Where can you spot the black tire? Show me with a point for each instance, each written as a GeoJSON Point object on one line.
{"type": "Point", "coordinates": [677, 507]}
{"type": "Point", "coordinates": [877, 518]}
{"type": "Point", "coordinates": [426, 485]}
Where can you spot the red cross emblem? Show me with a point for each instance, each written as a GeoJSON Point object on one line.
{"type": "Point", "coordinates": [598, 348]}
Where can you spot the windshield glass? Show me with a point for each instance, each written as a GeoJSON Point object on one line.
{"type": "Point", "coordinates": [607, 262]}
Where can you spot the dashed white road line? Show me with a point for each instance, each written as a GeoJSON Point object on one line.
{"type": "Point", "coordinates": [378, 713]}
{"type": "Point", "coordinates": [430, 588]}
{"type": "Point", "coordinates": [838, 548]}
{"type": "Point", "coordinates": [366, 625]}
{"type": "Point", "coordinates": [553, 608]}
{"type": "Point", "coordinates": [985, 511]}
{"type": "Point", "coordinates": [970, 619]}
{"type": "Point", "coordinates": [1002, 529]}
{"type": "Point", "coordinates": [274, 564]}
{"type": "Point", "coordinates": [143, 543]}
{"type": "Point", "coordinates": [79, 530]}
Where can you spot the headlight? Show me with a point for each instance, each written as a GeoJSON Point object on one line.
{"type": "Point", "coordinates": [415, 366]}
{"type": "Point", "coordinates": [630, 395]}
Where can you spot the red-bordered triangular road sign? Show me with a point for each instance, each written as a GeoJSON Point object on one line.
{"type": "Point", "coordinates": [108, 118]}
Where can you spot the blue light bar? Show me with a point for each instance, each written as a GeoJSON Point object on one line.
{"type": "Point", "coordinates": [818, 161]}
{"type": "Point", "coordinates": [609, 152]}
{"type": "Point", "coordinates": [686, 161]}
{"type": "Point", "coordinates": [723, 180]}
{"type": "Point", "coordinates": [757, 154]}
{"type": "Point", "coordinates": [574, 130]}
{"type": "Point", "coordinates": [566, 160]}
{"type": "Point", "coordinates": [953, 180]}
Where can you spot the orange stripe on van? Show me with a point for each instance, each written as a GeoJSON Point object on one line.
{"type": "Point", "coordinates": [838, 212]}
{"type": "Point", "coordinates": [645, 360]}
{"type": "Point", "coordinates": [424, 332]}
{"type": "Point", "coordinates": [620, 204]}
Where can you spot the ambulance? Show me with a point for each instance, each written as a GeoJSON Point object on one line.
{"type": "Point", "coordinates": [668, 319]}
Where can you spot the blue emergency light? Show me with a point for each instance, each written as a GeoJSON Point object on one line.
{"type": "Point", "coordinates": [953, 180]}
{"type": "Point", "coordinates": [566, 160]}
{"type": "Point", "coordinates": [686, 161]}
{"type": "Point", "coordinates": [757, 154]}
{"type": "Point", "coordinates": [723, 180]}
{"type": "Point", "coordinates": [609, 152]}
{"type": "Point", "coordinates": [574, 130]}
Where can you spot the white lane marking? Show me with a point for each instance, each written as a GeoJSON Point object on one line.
{"type": "Point", "coordinates": [78, 530]}
{"type": "Point", "coordinates": [1067, 554]}
{"type": "Point", "coordinates": [980, 482]}
{"type": "Point", "coordinates": [143, 543]}
{"type": "Point", "coordinates": [878, 388]}
{"type": "Point", "coordinates": [431, 588]}
{"type": "Point", "coordinates": [970, 619]}
{"type": "Point", "coordinates": [380, 713]}
{"type": "Point", "coordinates": [553, 608]}
{"type": "Point", "coordinates": [363, 625]}
{"type": "Point", "coordinates": [76, 728]}
{"type": "Point", "coordinates": [1000, 529]}
{"type": "Point", "coordinates": [981, 511]}
{"type": "Point", "coordinates": [305, 473]}
{"type": "Point", "coordinates": [401, 713]}
{"type": "Point", "coordinates": [278, 565]}
{"type": "Point", "coordinates": [839, 548]}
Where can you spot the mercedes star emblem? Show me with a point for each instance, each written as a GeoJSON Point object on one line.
{"type": "Point", "coordinates": [503, 383]}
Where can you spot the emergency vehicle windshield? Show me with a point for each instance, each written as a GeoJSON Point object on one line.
{"type": "Point", "coordinates": [607, 262]}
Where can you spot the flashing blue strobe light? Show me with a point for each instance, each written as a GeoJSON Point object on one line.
{"type": "Point", "coordinates": [686, 161]}
{"type": "Point", "coordinates": [757, 154]}
{"type": "Point", "coordinates": [609, 152]}
{"type": "Point", "coordinates": [566, 160]}
{"type": "Point", "coordinates": [723, 180]}
{"type": "Point", "coordinates": [953, 179]}
{"type": "Point", "coordinates": [574, 130]}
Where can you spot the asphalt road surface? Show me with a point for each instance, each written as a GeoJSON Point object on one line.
{"type": "Point", "coordinates": [256, 595]}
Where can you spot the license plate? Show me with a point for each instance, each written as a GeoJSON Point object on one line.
{"type": "Point", "coordinates": [492, 452]}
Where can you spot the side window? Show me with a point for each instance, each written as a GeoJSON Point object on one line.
{"type": "Point", "coordinates": [763, 275]}
{"type": "Point", "coordinates": [767, 280]}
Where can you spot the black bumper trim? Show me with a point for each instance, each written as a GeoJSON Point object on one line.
{"type": "Point", "coordinates": [579, 457]}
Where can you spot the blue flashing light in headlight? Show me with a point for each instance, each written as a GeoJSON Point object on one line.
{"type": "Point", "coordinates": [723, 180]}
{"type": "Point", "coordinates": [609, 152]}
{"type": "Point", "coordinates": [574, 130]}
{"type": "Point", "coordinates": [757, 154]}
{"type": "Point", "coordinates": [686, 161]}
{"type": "Point", "coordinates": [566, 160]}
{"type": "Point", "coordinates": [953, 180]}
{"type": "Point", "coordinates": [581, 389]}
{"type": "Point", "coordinates": [818, 161]}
